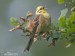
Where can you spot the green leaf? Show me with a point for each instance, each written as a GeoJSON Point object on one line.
{"type": "Point", "coordinates": [73, 0]}
{"type": "Point", "coordinates": [60, 1]}
{"type": "Point", "coordinates": [68, 22]}
{"type": "Point", "coordinates": [68, 45]}
{"type": "Point", "coordinates": [63, 13]}
{"type": "Point", "coordinates": [62, 22]}
{"type": "Point", "coordinates": [71, 22]}
{"type": "Point", "coordinates": [72, 16]}
{"type": "Point", "coordinates": [13, 21]}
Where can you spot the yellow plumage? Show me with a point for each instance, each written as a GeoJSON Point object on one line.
{"type": "Point", "coordinates": [44, 19]}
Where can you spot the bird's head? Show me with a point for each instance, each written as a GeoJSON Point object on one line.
{"type": "Point", "coordinates": [41, 10]}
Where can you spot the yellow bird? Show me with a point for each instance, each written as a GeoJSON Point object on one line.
{"type": "Point", "coordinates": [43, 19]}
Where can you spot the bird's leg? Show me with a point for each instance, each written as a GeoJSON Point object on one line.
{"type": "Point", "coordinates": [35, 37]}
{"type": "Point", "coordinates": [31, 37]}
{"type": "Point", "coordinates": [44, 35]}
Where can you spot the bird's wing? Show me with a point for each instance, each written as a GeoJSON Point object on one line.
{"type": "Point", "coordinates": [44, 24]}
{"type": "Point", "coordinates": [32, 34]}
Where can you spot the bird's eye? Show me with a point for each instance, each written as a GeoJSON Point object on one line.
{"type": "Point", "coordinates": [40, 8]}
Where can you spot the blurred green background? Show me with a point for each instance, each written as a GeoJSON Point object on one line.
{"type": "Point", "coordinates": [13, 43]}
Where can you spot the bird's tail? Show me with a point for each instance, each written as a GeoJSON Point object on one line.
{"type": "Point", "coordinates": [31, 37]}
{"type": "Point", "coordinates": [29, 44]}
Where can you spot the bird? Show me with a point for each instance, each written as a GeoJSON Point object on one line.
{"type": "Point", "coordinates": [42, 22]}
{"type": "Point", "coordinates": [44, 19]}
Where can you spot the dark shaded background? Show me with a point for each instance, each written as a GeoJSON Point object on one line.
{"type": "Point", "coordinates": [13, 42]}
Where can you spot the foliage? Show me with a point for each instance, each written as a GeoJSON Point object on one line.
{"type": "Point", "coordinates": [13, 21]}
{"type": "Point", "coordinates": [63, 13]}
{"type": "Point", "coordinates": [67, 25]}
{"type": "Point", "coordinates": [63, 28]}
{"type": "Point", "coordinates": [60, 1]}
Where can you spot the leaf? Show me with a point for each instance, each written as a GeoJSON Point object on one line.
{"type": "Point", "coordinates": [47, 38]}
{"type": "Point", "coordinates": [73, 0]}
{"type": "Point", "coordinates": [69, 44]}
{"type": "Point", "coordinates": [62, 22]}
{"type": "Point", "coordinates": [56, 34]}
{"type": "Point", "coordinates": [73, 9]}
{"type": "Point", "coordinates": [60, 1]}
{"type": "Point", "coordinates": [70, 23]}
{"type": "Point", "coordinates": [63, 13]}
{"type": "Point", "coordinates": [72, 20]}
{"type": "Point", "coordinates": [72, 16]}
{"type": "Point", "coordinates": [13, 21]}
